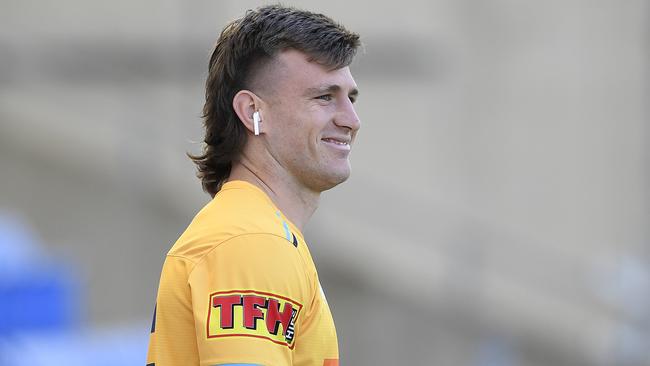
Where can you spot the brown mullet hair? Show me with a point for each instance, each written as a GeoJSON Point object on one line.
{"type": "Point", "coordinates": [245, 45]}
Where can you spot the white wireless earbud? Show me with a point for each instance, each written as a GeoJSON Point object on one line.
{"type": "Point", "coordinates": [256, 122]}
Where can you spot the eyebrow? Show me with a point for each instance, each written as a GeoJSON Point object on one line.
{"type": "Point", "coordinates": [331, 88]}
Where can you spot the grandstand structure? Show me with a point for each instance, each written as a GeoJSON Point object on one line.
{"type": "Point", "coordinates": [499, 206]}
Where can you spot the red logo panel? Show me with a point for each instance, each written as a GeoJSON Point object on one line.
{"type": "Point", "coordinates": [249, 313]}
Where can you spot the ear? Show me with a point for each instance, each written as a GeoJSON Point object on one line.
{"type": "Point", "coordinates": [245, 103]}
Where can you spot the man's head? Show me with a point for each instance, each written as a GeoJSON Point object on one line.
{"type": "Point", "coordinates": [291, 67]}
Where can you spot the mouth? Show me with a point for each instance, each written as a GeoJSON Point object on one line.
{"type": "Point", "coordinates": [338, 142]}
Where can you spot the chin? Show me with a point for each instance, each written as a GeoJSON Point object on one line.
{"type": "Point", "coordinates": [333, 179]}
{"type": "Point", "coordinates": [322, 177]}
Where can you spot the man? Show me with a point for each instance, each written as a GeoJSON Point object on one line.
{"type": "Point", "coordinates": [239, 287]}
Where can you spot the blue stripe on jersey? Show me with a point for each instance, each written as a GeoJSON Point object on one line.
{"type": "Point", "coordinates": [286, 227]}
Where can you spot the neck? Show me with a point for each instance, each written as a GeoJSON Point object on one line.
{"type": "Point", "coordinates": [295, 201]}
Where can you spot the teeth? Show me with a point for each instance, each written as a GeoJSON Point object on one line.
{"type": "Point", "coordinates": [337, 142]}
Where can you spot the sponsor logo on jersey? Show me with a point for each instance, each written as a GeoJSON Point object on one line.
{"type": "Point", "coordinates": [251, 313]}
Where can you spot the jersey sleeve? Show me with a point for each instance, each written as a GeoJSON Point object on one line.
{"type": "Point", "coordinates": [249, 295]}
{"type": "Point", "coordinates": [172, 341]}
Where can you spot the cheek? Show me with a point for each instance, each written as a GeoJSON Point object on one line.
{"type": "Point", "coordinates": [302, 129]}
{"type": "Point", "coordinates": [299, 129]}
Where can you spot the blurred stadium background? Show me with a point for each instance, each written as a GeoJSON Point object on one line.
{"type": "Point", "coordinates": [498, 213]}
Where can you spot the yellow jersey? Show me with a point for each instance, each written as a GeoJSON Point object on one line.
{"type": "Point", "coordinates": [239, 287]}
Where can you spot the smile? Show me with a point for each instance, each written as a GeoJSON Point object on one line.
{"type": "Point", "coordinates": [341, 144]}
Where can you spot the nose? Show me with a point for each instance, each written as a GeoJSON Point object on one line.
{"type": "Point", "coordinates": [347, 116]}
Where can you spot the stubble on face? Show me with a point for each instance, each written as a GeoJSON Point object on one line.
{"type": "Point", "coordinates": [297, 121]}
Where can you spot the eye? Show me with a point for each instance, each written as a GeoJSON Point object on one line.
{"type": "Point", "coordinates": [352, 99]}
{"type": "Point", "coordinates": [325, 97]}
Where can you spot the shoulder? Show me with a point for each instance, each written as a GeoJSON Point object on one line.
{"type": "Point", "coordinates": [254, 262]}
{"type": "Point", "coordinates": [250, 254]}
{"type": "Point", "coordinates": [238, 217]}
